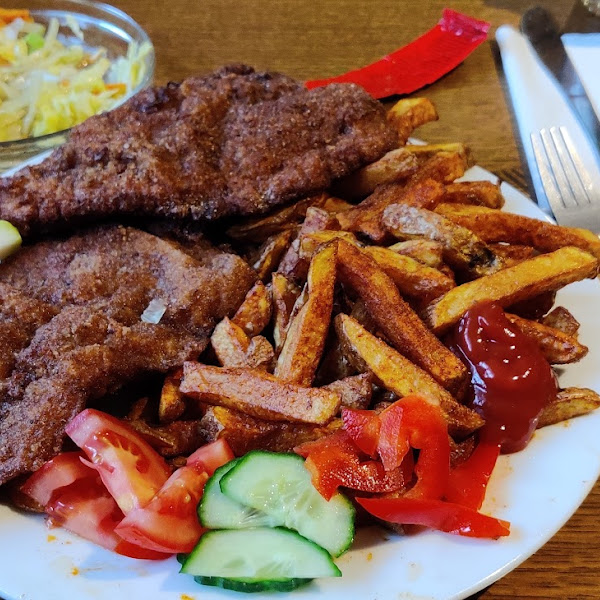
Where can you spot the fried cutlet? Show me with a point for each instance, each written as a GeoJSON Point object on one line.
{"type": "Point", "coordinates": [235, 142]}
{"type": "Point", "coordinates": [82, 301]}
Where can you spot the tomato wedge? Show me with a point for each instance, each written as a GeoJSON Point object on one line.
{"type": "Point", "coordinates": [212, 456]}
{"type": "Point", "coordinates": [130, 468]}
{"type": "Point", "coordinates": [75, 498]}
{"type": "Point", "coordinates": [169, 523]}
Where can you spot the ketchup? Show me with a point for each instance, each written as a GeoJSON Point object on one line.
{"type": "Point", "coordinates": [512, 380]}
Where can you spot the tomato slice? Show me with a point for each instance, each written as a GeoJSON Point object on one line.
{"type": "Point", "coordinates": [130, 468]}
{"type": "Point", "coordinates": [169, 523]}
{"type": "Point", "coordinates": [212, 456]}
{"type": "Point", "coordinates": [58, 472]}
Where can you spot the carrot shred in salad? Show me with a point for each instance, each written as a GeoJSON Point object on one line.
{"type": "Point", "coordinates": [50, 81]}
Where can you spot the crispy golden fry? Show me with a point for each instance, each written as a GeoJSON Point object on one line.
{"type": "Point", "coordinates": [463, 250]}
{"type": "Point", "coordinates": [396, 319]}
{"type": "Point", "coordinates": [258, 394]}
{"type": "Point", "coordinates": [233, 347]}
{"type": "Point", "coordinates": [481, 193]}
{"type": "Point", "coordinates": [427, 252]}
{"type": "Point", "coordinates": [171, 404]}
{"type": "Point", "coordinates": [498, 226]}
{"type": "Point", "coordinates": [425, 151]}
{"type": "Point", "coordinates": [254, 313]}
{"type": "Point", "coordinates": [396, 165]}
{"type": "Point", "coordinates": [260, 228]}
{"type": "Point", "coordinates": [513, 253]}
{"type": "Point", "coordinates": [444, 167]}
{"type": "Point", "coordinates": [560, 318]}
{"type": "Point", "coordinates": [399, 375]}
{"type": "Point", "coordinates": [366, 217]}
{"type": "Point", "coordinates": [355, 391]}
{"type": "Point", "coordinates": [513, 284]}
{"type": "Point", "coordinates": [293, 264]}
{"type": "Point", "coordinates": [409, 113]}
{"type": "Point", "coordinates": [310, 242]}
{"type": "Point", "coordinates": [269, 255]}
{"type": "Point", "coordinates": [336, 205]}
{"type": "Point", "coordinates": [285, 293]}
{"type": "Point", "coordinates": [414, 279]}
{"type": "Point", "coordinates": [559, 348]}
{"type": "Point", "coordinates": [306, 335]}
{"type": "Point", "coordinates": [570, 402]}
{"type": "Point", "coordinates": [244, 433]}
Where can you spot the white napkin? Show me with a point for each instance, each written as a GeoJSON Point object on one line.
{"type": "Point", "coordinates": [584, 51]}
{"type": "Point", "coordinates": [539, 102]}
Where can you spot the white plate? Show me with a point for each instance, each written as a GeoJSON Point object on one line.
{"type": "Point", "coordinates": [537, 490]}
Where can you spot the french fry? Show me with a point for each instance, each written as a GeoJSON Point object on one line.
{"type": "Point", "coordinates": [534, 308]}
{"type": "Point", "coordinates": [334, 364]}
{"type": "Point", "coordinates": [172, 439]}
{"type": "Point", "coordinates": [233, 347]}
{"type": "Point", "coordinates": [512, 254]}
{"type": "Point", "coordinates": [171, 404]}
{"type": "Point", "coordinates": [396, 165]}
{"type": "Point", "coordinates": [559, 348]}
{"type": "Point", "coordinates": [285, 293]}
{"type": "Point", "coordinates": [396, 319]}
{"type": "Point", "coordinates": [310, 242]}
{"type": "Point", "coordinates": [526, 280]}
{"type": "Point", "coordinates": [427, 252]}
{"type": "Point", "coordinates": [425, 151]}
{"type": "Point", "coordinates": [355, 391]}
{"type": "Point", "coordinates": [444, 167]}
{"type": "Point", "coordinates": [293, 264]}
{"type": "Point", "coordinates": [254, 313]}
{"type": "Point", "coordinates": [258, 394]}
{"type": "Point", "coordinates": [462, 249]}
{"type": "Point", "coordinates": [307, 332]}
{"type": "Point", "coordinates": [244, 433]}
{"type": "Point", "coordinates": [366, 217]}
{"type": "Point", "coordinates": [569, 403]}
{"type": "Point", "coordinates": [498, 226]}
{"type": "Point", "coordinates": [562, 319]}
{"type": "Point", "coordinates": [336, 205]}
{"type": "Point", "coordinates": [409, 113]}
{"type": "Point", "coordinates": [414, 279]}
{"type": "Point", "coordinates": [260, 228]}
{"type": "Point", "coordinates": [481, 193]}
{"type": "Point", "coordinates": [399, 375]}
{"type": "Point", "coordinates": [269, 255]}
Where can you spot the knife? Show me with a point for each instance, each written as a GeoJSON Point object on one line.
{"type": "Point", "coordinates": [540, 28]}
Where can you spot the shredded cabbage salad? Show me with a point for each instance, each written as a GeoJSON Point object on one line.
{"type": "Point", "coordinates": [48, 84]}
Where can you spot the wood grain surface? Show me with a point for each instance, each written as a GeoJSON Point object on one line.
{"type": "Point", "coordinates": [317, 38]}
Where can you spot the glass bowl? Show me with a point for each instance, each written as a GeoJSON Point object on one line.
{"type": "Point", "coordinates": [102, 25]}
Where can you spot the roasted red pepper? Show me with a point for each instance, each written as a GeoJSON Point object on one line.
{"type": "Point", "coordinates": [421, 62]}
{"type": "Point", "coordinates": [437, 514]}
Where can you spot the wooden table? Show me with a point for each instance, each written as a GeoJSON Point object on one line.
{"type": "Point", "coordinates": [309, 39]}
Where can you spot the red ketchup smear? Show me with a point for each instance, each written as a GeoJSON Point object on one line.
{"type": "Point", "coordinates": [512, 381]}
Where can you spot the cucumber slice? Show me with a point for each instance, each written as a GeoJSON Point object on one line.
{"type": "Point", "coordinates": [279, 485]}
{"type": "Point", "coordinates": [267, 555]}
{"type": "Point", "coordinates": [251, 585]}
{"type": "Point", "coordinates": [218, 511]}
{"type": "Point", "coordinates": [10, 239]}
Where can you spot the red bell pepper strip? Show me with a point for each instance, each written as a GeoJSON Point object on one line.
{"type": "Point", "coordinates": [335, 461]}
{"type": "Point", "coordinates": [468, 482]}
{"type": "Point", "coordinates": [363, 427]}
{"type": "Point", "coordinates": [421, 62]}
{"type": "Point", "coordinates": [437, 514]}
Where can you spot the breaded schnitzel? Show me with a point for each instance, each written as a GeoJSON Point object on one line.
{"type": "Point", "coordinates": [77, 306]}
{"type": "Point", "coordinates": [234, 142]}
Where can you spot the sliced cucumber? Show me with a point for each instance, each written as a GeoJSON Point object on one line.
{"type": "Point", "coordinates": [261, 555]}
{"type": "Point", "coordinates": [218, 511]}
{"type": "Point", "coordinates": [279, 485]}
{"type": "Point", "coordinates": [10, 239]}
{"type": "Point", "coordinates": [250, 585]}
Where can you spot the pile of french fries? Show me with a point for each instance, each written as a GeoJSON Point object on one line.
{"type": "Point", "coordinates": [357, 292]}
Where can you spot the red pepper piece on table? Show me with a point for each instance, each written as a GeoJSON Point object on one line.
{"type": "Point", "coordinates": [437, 514]}
{"type": "Point", "coordinates": [468, 481]}
{"type": "Point", "coordinates": [421, 62]}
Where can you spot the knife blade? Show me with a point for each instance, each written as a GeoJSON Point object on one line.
{"type": "Point", "coordinates": [540, 28]}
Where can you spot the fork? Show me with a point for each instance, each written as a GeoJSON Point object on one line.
{"type": "Point", "coordinates": [572, 192]}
